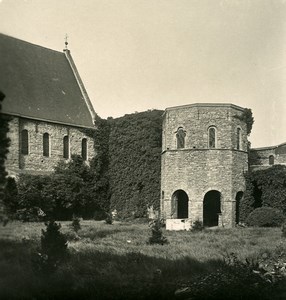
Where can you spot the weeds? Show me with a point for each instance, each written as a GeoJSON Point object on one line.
{"type": "Point", "coordinates": [103, 265]}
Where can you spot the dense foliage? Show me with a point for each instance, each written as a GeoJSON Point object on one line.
{"type": "Point", "coordinates": [265, 217]}
{"type": "Point", "coordinates": [70, 190]}
{"type": "Point", "coordinates": [134, 162]}
{"type": "Point", "coordinates": [247, 117]}
{"type": "Point", "coordinates": [235, 279]}
{"type": "Point", "coordinates": [4, 144]}
{"type": "Point", "coordinates": [124, 175]}
{"type": "Point", "coordinates": [265, 187]}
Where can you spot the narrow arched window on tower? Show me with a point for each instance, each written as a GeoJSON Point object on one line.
{"type": "Point", "coordinates": [238, 138]}
{"type": "Point", "coordinates": [180, 138]}
{"type": "Point", "coordinates": [212, 137]}
{"type": "Point", "coordinates": [46, 144]}
{"type": "Point", "coordinates": [66, 143]}
{"type": "Point", "coordinates": [271, 160]}
{"type": "Point", "coordinates": [84, 149]}
{"type": "Point", "coordinates": [25, 142]}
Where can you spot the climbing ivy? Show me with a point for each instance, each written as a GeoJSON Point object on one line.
{"type": "Point", "coordinates": [264, 188]}
{"type": "Point", "coordinates": [247, 117]}
{"type": "Point", "coordinates": [135, 162]}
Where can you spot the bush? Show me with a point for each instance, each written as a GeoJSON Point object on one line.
{"type": "Point", "coordinates": [156, 233]}
{"type": "Point", "coordinates": [109, 219]}
{"type": "Point", "coordinates": [266, 187]}
{"type": "Point", "coordinates": [99, 215]}
{"type": "Point", "coordinates": [265, 217]}
{"type": "Point", "coordinates": [53, 248]}
{"type": "Point", "coordinates": [236, 280]}
{"type": "Point", "coordinates": [76, 224]}
{"type": "Point", "coordinates": [197, 226]}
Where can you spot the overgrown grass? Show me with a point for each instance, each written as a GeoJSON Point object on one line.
{"type": "Point", "coordinates": [115, 261]}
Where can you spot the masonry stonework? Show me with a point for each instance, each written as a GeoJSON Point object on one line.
{"type": "Point", "coordinates": [267, 156]}
{"type": "Point", "coordinates": [197, 169]}
{"type": "Point", "coordinates": [35, 161]}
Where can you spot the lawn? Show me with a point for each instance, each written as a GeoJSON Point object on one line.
{"type": "Point", "coordinates": [115, 261]}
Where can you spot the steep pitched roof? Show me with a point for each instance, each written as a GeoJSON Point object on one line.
{"type": "Point", "coordinates": [43, 84]}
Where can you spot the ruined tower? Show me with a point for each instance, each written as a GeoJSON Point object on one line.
{"type": "Point", "coordinates": [204, 157]}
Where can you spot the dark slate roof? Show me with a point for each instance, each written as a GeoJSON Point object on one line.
{"type": "Point", "coordinates": [39, 83]}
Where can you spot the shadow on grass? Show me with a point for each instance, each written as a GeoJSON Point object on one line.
{"type": "Point", "coordinates": [94, 275]}
{"type": "Point", "coordinates": [100, 275]}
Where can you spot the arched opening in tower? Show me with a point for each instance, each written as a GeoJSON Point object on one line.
{"type": "Point", "coordinates": [238, 198]}
{"type": "Point", "coordinates": [211, 208]}
{"type": "Point", "coordinates": [180, 201]}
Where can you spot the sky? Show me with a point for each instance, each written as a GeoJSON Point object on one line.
{"type": "Point", "coordinates": [135, 55]}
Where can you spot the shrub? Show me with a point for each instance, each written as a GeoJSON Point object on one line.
{"type": "Point", "coordinates": [197, 226]}
{"type": "Point", "coordinates": [236, 280]}
{"type": "Point", "coordinates": [11, 197]}
{"type": "Point", "coordinates": [76, 224]}
{"type": "Point", "coordinates": [33, 214]}
{"type": "Point", "coordinates": [99, 215]}
{"type": "Point", "coordinates": [266, 187]}
{"type": "Point", "coordinates": [265, 217]}
{"type": "Point", "coordinates": [4, 145]}
{"type": "Point", "coordinates": [157, 236]}
{"type": "Point", "coordinates": [109, 219]}
{"type": "Point", "coordinates": [53, 248]}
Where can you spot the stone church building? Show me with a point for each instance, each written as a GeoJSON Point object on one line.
{"type": "Point", "coordinates": [50, 113]}
{"type": "Point", "coordinates": [204, 146]}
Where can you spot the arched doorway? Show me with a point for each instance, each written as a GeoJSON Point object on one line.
{"type": "Point", "coordinates": [180, 201]}
{"type": "Point", "coordinates": [211, 208]}
{"type": "Point", "coordinates": [238, 198]}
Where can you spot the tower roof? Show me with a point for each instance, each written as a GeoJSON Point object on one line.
{"type": "Point", "coordinates": [43, 84]}
{"type": "Point", "coordinates": [214, 105]}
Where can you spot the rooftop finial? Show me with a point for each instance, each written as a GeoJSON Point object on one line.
{"type": "Point", "coordinates": [66, 42]}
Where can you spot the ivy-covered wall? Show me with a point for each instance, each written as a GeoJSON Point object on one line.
{"type": "Point", "coordinates": [135, 144]}
{"type": "Point", "coordinates": [266, 187]}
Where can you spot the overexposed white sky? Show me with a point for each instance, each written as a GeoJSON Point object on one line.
{"type": "Point", "coordinates": [135, 55]}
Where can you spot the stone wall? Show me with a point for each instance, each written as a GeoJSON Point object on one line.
{"type": "Point", "coordinates": [259, 157]}
{"type": "Point", "coordinates": [196, 119]}
{"type": "Point", "coordinates": [196, 169]}
{"type": "Point", "coordinates": [35, 160]}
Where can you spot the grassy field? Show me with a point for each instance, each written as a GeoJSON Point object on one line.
{"type": "Point", "coordinates": [115, 261]}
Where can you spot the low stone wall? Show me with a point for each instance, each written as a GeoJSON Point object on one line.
{"type": "Point", "coordinates": [178, 224]}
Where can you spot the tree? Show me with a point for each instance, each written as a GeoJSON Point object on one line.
{"type": "Point", "coordinates": [4, 145]}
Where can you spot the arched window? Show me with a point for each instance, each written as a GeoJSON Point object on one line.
{"type": "Point", "coordinates": [212, 137]}
{"type": "Point", "coordinates": [84, 149]}
{"type": "Point", "coordinates": [66, 153]}
{"type": "Point", "coordinates": [25, 142]}
{"type": "Point", "coordinates": [271, 160]}
{"type": "Point", "coordinates": [180, 138]}
{"type": "Point", "coordinates": [46, 144]}
{"type": "Point", "coordinates": [238, 138]}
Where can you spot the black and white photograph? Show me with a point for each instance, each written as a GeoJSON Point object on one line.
{"type": "Point", "coordinates": [142, 149]}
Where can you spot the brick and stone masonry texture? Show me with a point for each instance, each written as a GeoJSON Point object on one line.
{"type": "Point", "coordinates": [197, 169]}
{"type": "Point", "coordinates": [35, 160]}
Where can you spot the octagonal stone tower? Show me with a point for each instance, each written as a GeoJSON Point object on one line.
{"type": "Point", "coordinates": [204, 157]}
